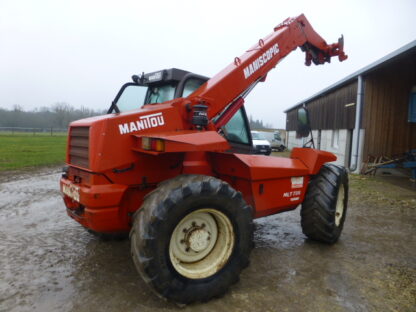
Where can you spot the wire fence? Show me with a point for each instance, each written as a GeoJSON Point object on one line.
{"type": "Point", "coordinates": [51, 131]}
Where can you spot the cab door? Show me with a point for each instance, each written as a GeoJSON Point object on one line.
{"type": "Point", "coordinates": [237, 133]}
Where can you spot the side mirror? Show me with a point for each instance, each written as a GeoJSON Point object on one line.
{"type": "Point", "coordinates": [303, 125]}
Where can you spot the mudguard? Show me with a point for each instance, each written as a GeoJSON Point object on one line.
{"type": "Point", "coordinates": [312, 158]}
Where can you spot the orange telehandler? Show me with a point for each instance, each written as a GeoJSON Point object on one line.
{"type": "Point", "coordinates": [172, 164]}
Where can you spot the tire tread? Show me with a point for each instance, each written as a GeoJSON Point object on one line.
{"type": "Point", "coordinates": [318, 208]}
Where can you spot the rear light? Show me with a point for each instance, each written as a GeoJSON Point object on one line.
{"type": "Point", "coordinates": [158, 145]}
{"type": "Point", "coordinates": [146, 145]}
{"type": "Point", "coordinates": [153, 144]}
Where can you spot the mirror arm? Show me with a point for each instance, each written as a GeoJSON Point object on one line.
{"type": "Point", "coordinates": [311, 141]}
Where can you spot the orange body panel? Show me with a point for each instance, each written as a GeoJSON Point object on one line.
{"type": "Point", "coordinates": [112, 148]}
{"type": "Point", "coordinates": [186, 141]}
{"type": "Point", "coordinates": [313, 161]}
{"type": "Point", "coordinates": [270, 184]}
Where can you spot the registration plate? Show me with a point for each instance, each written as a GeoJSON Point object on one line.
{"type": "Point", "coordinates": [71, 191]}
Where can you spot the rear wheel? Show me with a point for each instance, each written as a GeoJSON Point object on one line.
{"type": "Point", "coordinates": [324, 208]}
{"type": "Point", "coordinates": [191, 238]}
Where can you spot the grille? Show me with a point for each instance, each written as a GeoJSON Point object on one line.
{"type": "Point", "coordinates": [79, 146]}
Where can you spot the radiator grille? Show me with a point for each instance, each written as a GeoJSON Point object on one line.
{"type": "Point", "coordinates": [79, 146]}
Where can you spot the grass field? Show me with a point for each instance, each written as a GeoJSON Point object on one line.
{"type": "Point", "coordinates": [18, 151]}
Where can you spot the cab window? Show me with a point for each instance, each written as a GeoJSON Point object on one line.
{"type": "Point", "coordinates": [236, 129]}
{"type": "Point", "coordinates": [191, 85]}
{"type": "Point", "coordinates": [131, 96]}
{"type": "Point", "coordinates": [160, 94]}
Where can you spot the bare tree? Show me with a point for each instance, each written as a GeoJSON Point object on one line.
{"type": "Point", "coordinates": [58, 115]}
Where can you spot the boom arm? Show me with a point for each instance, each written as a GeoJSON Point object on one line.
{"type": "Point", "coordinates": [233, 83]}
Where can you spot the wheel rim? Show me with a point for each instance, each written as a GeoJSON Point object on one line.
{"type": "Point", "coordinates": [201, 243]}
{"type": "Point", "coordinates": [339, 210]}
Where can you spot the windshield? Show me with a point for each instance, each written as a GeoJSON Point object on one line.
{"type": "Point", "coordinates": [132, 97]}
{"type": "Point", "coordinates": [257, 136]}
{"type": "Point", "coordinates": [277, 136]}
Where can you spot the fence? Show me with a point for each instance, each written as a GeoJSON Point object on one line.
{"type": "Point", "coordinates": [33, 131]}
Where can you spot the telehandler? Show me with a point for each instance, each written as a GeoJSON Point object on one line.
{"type": "Point", "coordinates": [172, 164]}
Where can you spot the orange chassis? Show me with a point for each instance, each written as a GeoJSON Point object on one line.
{"type": "Point", "coordinates": [269, 184]}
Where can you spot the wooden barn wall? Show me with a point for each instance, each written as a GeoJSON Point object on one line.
{"type": "Point", "coordinates": [385, 113]}
{"type": "Point", "coordinates": [291, 120]}
{"type": "Point", "coordinates": [330, 111]}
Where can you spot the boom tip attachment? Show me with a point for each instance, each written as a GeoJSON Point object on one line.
{"type": "Point", "coordinates": [341, 56]}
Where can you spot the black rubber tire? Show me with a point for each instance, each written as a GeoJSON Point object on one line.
{"type": "Point", "coordinates": [319, 206]}
{"type": "Point", "coordinates": [155, 221]}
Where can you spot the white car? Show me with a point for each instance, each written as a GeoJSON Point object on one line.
{"type": "Point", "coordinates": [275, 140]}
{"type": "Point", "coordinates": [260, 144]}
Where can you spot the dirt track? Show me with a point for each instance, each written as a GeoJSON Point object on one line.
{"type": "Point", "coordinates": [50, 263]}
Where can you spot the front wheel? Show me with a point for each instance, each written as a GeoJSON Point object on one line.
{"type": "Point", "coordinates": [191, 238]}
{"type": "Point", "coordinates": [325, 206]}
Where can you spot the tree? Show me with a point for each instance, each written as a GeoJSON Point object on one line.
{"type": "Point", "coordinates": [58, 115]}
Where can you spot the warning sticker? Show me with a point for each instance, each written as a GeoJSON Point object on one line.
{"type": "Point", "coordinates": [297, 182]}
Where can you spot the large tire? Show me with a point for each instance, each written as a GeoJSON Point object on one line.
{"type": "Point", "coordinates": [191, 238]}
{"type": "Point", "coordinates": [324, 208]}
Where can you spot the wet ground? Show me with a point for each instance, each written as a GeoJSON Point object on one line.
{"type": "Point", "coordinates": [50, 263]}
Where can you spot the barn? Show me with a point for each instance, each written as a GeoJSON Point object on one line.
{"type": "Point", "coordinates": [368, 115]}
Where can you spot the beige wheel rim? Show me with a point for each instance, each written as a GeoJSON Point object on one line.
{"type": "Point", "coordinates": [339, 209]}
{"type": "Point", "coordinates": [201, 243]}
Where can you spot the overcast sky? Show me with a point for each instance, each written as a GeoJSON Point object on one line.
{"type": "Point", "coordinates": [81, 52]}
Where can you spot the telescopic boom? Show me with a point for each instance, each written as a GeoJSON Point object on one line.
{"type": "Point", "coordinates": [233, 83]}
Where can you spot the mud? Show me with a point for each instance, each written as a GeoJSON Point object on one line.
{"type": "Point", "coordinates": [50, 263]}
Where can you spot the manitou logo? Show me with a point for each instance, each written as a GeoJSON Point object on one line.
{"type": "Point", "coordinates": [155, 76]}
{"type": "Point", "coordinates": [261, 60]}
{"type": "Point", "coordinates": [144, 122]}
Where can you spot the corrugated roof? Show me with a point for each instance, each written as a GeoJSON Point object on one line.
{"type": "Point", "coordinates": [377, 64]}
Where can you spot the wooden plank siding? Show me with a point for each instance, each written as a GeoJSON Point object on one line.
{"type": "Point", "coordinates": [385, 112]}
{"type": "Point", "coordinates": [330, 111]}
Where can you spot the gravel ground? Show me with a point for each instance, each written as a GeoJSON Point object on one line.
{"type": "Point", "coordinates": [50, 263]}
